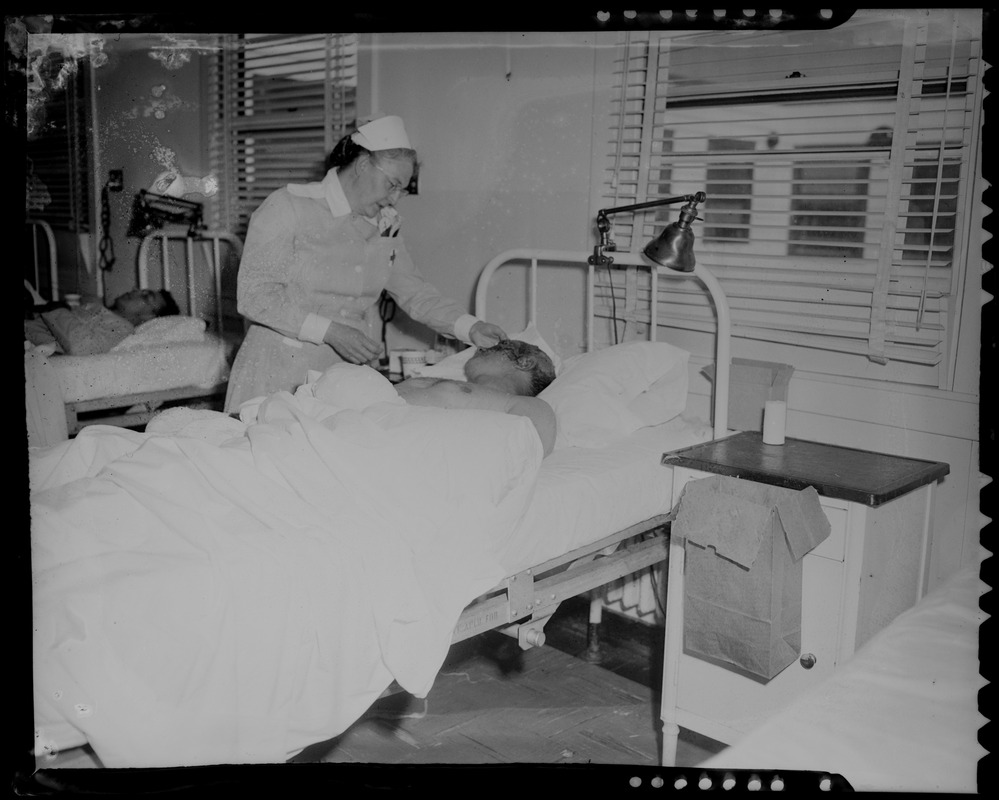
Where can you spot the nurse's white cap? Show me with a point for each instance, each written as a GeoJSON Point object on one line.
{"type": "Point", "coordinates": [384, 133]}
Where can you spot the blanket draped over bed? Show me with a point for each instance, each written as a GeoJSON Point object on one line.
{"type": "Point", "coordinates": [198, 602]}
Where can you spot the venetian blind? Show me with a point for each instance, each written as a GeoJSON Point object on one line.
{"type": "Point", "coordinates": [57, 148]}
{"type": "Point", "coordinates": [836, 167]}
{"type": "Point", "coordinates": [281, 102]}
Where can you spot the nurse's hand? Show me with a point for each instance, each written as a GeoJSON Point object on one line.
{"type": "Point", "coordinates": [350, 344]}
{"type": "Point", "coordinates": [485, 334]}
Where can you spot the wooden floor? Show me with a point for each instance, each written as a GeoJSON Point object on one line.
{"type": "Point", "coordinates": [494, 703]}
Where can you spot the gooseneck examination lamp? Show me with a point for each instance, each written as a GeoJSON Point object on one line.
{"type": "Point", "coordinates": [673, 248]}
{"type": "Point", "coordinates": [672, 253]}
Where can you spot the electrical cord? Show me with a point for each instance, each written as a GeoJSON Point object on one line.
{"type": "Point", "coordinates": [386, 312]}
{"type": "Point", "coordinates": [613, 297]}
{"type": "Point", "coordinates": [654, 579]}
{"type": "Point", "coordinates": [656, 591]}
{"type": "Point", "coordinates": [106, 257]}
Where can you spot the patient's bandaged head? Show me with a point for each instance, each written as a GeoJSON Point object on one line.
{"type": "Point", "coordinates": [353, 386]}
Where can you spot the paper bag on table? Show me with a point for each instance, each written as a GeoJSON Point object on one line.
{"type": "Point", "coordinates": [744, 543]}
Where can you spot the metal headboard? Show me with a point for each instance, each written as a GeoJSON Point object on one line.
{"type": "Point", "coordinates": [562, 258]}
{"type": "Point", "coordinates": [42, 235]}
{"type": "Point", "coordinates": [211, 242]}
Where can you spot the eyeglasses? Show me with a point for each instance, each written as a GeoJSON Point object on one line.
{"type": "Point", "coordinates": [395, 187]}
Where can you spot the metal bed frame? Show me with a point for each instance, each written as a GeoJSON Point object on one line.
{"type": "Point", "coordinates": [133, 410]}
{"type": "Point", "coordinates": [42, 235]}
{"type": "Point", "coordinates": [211, 244]}
{"type": "Point", "coordinates": [522, 603]}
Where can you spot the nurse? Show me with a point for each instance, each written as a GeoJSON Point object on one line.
{"type": "Point", "coordinates": [316, 259]}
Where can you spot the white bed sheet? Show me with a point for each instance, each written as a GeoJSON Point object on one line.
{"type": "Point", "coordinates": [901, 715]}
{"type": "Point", "coordinates": [215, 517]}
{"type": "Point", "coordinates": [581, 494]}
{"type": "Point", "coordinates": [147, 369]}
{"type": "Point", "coordinates": [584, 494]}
{"type": "Point", "coordinates": [233, 600]}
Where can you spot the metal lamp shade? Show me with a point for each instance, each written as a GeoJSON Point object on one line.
{"type": "Point", "coordinates": [673, 248]}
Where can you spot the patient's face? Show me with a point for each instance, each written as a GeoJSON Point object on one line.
{"type": "Point", "coordinates": [139, 305]}
{"type": "Point", "coordinates": [509, 366]}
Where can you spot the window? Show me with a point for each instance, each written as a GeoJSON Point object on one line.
{"type": "Point", "coordinates": [56, 144]}
{"type": "Point", "coordinates": [730, 187]}
{"type": "Point", "coordinates": [282, 101]}
{"type": "Point", "coordinates": [828, 210]}
{"type": "Point", "coordinates": [838, 167]}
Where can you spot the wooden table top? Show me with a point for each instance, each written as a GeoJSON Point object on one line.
{"type": "Point", "coordinates": [846, 473]}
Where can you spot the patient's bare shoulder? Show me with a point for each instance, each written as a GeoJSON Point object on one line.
{"type": "Point", "coordinates": [443, 393]}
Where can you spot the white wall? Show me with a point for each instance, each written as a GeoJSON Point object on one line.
{"type": "Point", "coordinates": [505, 158]}
{"type": "Point", "coordinates": [517, 162]}
{"type": "Point", "coordinates": [149, 118]}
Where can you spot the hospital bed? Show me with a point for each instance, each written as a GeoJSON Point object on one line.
{"type": "Point", "coordinates": [901, 715]}
{"type": "Point", "coordinates": [125, 387]}
{"type": "Point", "coordinates": [593, 511]}
{"type": "Point", "coordinates": [619, 500]}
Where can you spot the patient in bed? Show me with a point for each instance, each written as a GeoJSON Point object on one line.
{"type": "Point", "coordinates": [506, 378]}
{"type": "Point", "coordinates": [503, 378]}
{"type": "Point", "coordinates": [90, 328]}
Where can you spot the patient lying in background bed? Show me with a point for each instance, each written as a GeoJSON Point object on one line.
{"type": "Point", "coordinates": [138, 347]}
{"type": "Point", "coordinates": [91, 328]}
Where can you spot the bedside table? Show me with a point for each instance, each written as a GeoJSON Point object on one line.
{"type": "Point", "coordinates": [871, 567]}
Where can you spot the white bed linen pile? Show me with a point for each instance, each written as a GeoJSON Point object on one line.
{"type": "Point", "coordinates": [900, 716]}
{"type": "Point", "coordinates": [199, 602]}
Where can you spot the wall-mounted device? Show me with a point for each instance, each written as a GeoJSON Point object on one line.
{"type": "Point", "coordinates": [154, 211]}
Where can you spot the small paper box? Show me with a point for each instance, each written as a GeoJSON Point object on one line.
{"type": "Point", "coordinates": [744, 544]}
{"type": "Point", "coordinates": [751, 384]}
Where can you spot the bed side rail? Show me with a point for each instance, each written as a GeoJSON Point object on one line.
{"type": "Point", "coordinates": [534, 594]}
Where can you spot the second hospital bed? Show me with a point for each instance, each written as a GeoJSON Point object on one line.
{"type": "Point", "coordinates": [126, 386]}
{"type": "Point", "coordinates": [903, 714]}
{"type": "Point", "coordinates": [590, 515]}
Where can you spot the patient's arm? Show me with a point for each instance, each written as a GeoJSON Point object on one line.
{"type": "Point", "coordinates": [441, 393]}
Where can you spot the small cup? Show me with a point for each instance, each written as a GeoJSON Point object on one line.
{"type": "Point", "coordinates": [72, 300]}
{"type": "Point", "coordinates": [410, 359]}
{"type": "Point", "coordinates": [774, 420]}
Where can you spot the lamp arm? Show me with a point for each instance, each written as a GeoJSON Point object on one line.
{"type": "Point", "coordinates": [687, 215]}
{"type": "Point", "coordinates": [697, 197]}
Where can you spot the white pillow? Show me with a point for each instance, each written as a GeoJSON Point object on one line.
{"type": "Point", "coordinates": [453, 367]}
{"type": "Point", "coordinates": [163, 330]}
{"type": "Point", "coordinates": [602, 396]}
{"type": "Point", "coordinates": [665, 398]}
